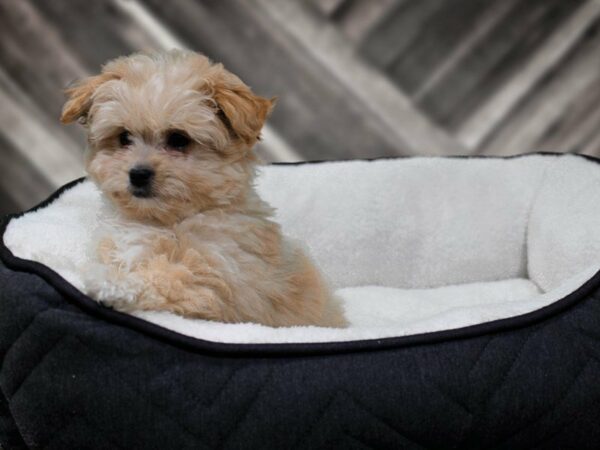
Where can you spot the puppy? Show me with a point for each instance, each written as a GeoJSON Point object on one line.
{"type": "Point", "coordinates": [170, 138]}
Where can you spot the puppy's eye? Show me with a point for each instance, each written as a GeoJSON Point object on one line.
{"type": "Point", "coordinates": [125, 139]}
{"type": "Point", "coordinates": [177, 141]}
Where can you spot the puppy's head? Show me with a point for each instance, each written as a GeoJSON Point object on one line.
{"type": "Point", "coordinates": [170, 134]}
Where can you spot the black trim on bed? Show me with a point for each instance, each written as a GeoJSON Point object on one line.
{"type": "Point", "coordinates": [94, 308]}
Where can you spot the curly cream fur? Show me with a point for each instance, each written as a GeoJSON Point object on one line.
{"type": "Point", "coordinates": [206, 246]}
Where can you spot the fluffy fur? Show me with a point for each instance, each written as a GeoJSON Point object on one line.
{"type": "Point", "coordinates": [201, 243]}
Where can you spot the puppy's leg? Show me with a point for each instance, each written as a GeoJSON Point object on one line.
{"type": "Point", "coordinates": [188, 286]}
{"type": "Point", "coordinates": [110, 280]}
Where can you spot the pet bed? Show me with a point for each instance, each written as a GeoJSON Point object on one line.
{"type": "Point", "coordinates": [472, 286]}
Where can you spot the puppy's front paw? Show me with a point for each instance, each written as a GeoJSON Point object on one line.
{"type": "Point", "coordinates": [107, 286]}
{"type": "Point", "coordinates": [188, 288]}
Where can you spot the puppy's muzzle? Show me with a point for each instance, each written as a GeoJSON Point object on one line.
{"type": "Point", "coordinates": [140, 180]}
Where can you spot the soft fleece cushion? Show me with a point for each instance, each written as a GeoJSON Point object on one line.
{"type": "Point", "coordinates": [411, 245]}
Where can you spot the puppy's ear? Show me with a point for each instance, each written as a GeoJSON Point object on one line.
{"type": "Point", "coordinates": [80, 96]}
{"type": "Point", "coordinates": [243, 112]}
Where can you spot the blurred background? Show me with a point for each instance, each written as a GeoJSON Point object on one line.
{"type": "Point", "coordinates": [355, 78]}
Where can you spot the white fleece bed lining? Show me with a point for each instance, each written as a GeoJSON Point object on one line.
{"type": "Point", "coordinates": [411, 246]}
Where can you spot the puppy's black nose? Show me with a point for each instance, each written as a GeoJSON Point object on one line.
{"type": "Point", "coordinates": [141, 176]}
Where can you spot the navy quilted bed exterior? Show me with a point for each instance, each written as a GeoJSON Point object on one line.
{"type": "Point", "coordinates": [70, 380]}
{"type": "Point", "coordinates": [76, 375]}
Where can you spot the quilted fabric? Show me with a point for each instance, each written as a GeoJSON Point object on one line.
{"type": "Point", "coordinates": [70, 380]}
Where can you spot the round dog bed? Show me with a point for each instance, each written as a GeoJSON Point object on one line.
{"type": "Point", "coordinates": [471, 285]}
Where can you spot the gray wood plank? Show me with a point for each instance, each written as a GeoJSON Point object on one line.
{"type": "Point", "coordinates": [20, 184]}
{"type": "Point", "coordinates": [95, 32]}
{"type": "Point", "coordinates": [495, 60]}
{"type": "Point", "coordinates": [591, 146]}
{"type": "Point", "coordinates": [579, 122]}
{"type": "Point", "coordinates": [561, 113]}
{"type": "Point", "coordinates": [374, 94]}
{"type": "Point", "coordinates": [542, 63]}
{"type": "Point", "coordinates": [8, 205]}
{"type": "Point", "coordinates": [397, 31]}
{"type": "Point", "coordinates": [17, 104]}
{"type": "Point", "coordinates": [38, 139]}
{"type": "Point", "coordinates": [582, 138]}
{"type": "Point", "coordinates": [483, 26]}
{"type": "Point", "coordinates": [360, 16]}
{"type": "Point", "coordinates": [34, 57]}
{"type": "Point", "coordinates": [438, 36]}
{"type": "Point", "coordinates": [328, 7]}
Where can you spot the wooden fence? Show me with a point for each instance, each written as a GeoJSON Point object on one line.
{"type": "Point", "coordinates": [355, 78]}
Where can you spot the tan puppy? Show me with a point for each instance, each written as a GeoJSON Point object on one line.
{"type": "Point", "coordinates": [170, 145]}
